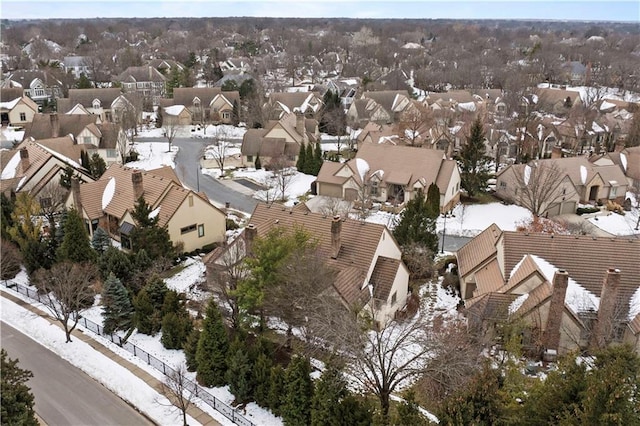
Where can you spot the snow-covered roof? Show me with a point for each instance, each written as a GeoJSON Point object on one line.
{"type": "Point", "coordinates": [9, 171]}
{"type": "Point", "coordinates": [583, 174]}
{"type": "Point", "coordinates": [634, 305]}
{"type": "Point", "coordinates": [363, 168]}
{"type": "Point", "coordinates": [10, 104]}
{"type": "Point", "coordinates": [467, 106]}
{"type": "Point", "coordinates": [606, 105]}
{"type": "Point", "coordinates": [108, 193]}
{"type": "Point", "coordinates": [515, 305]}
{"type": "Point", "coordinates": [174, 109]}
{"type": "Point", "coordinates": [623, 161]}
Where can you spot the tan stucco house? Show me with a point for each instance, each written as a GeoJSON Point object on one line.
{"type": "Point", "coordinates": [18, 111]}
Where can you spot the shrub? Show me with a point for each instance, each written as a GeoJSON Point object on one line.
{"type": "Point", "coordinates": [586, 210]}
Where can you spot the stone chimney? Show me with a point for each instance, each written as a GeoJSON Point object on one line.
{"type": "Point", "coordinates": [250, 234]}
{"type": "Point", "coordinates": [55, 125]}
{"type": "Point", "coordinates": [556, 152]}
{"type": "Point", "coordinates": [138, 188]}
{"type": "Point", "coordinates": [75, 190]}
{"type": "Point", "coordinates": [336, 230]}
{"type": "Point", "coordinates": [604, 327]}
{"type": "Point", "coordinates": [620, 145]}
{"type": "Point", "coordinates": [300, 123]}
{"type": "Point", "coordinates": [551, 336]}
{"type": "Point", "coordinates": [24, 160]}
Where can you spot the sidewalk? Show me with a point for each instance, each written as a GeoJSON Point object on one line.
{"type": "Point", "coordinates": [193, 411]}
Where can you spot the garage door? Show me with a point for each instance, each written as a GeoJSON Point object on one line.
{"type": "Point", "coordinates": [350, 194]}
{"type": "Point", "coordinates": [568, 207]}
{"type": "Point", "coordinates": [329, 190]}
{"type": "Point", "coordinates": [554, 210]}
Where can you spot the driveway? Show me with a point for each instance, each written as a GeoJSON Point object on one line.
{"type": "Point", "coordinates": [578, 222]}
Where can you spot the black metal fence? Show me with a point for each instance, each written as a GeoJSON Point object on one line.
{"type": "Point", "coordinates": [191, 386]}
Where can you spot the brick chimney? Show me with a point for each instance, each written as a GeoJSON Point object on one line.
{"type": "Point", "coordinates": [24, 160]}
{"type": "Point", "coordinates": [250, 234]}
{"type": "Point", "coordinates": [300, 123]}
{"type": "Point", "coordinates": [556, 152]}
{"type": "Point", "coordinates": [138, 189]}
{"type": "Point", "coordinates": [55, 125]}
{"type": "Point", "coordinates": [620, 145]}
{"type": "Point", "coordinates": [551, 336]}
{"type": "Point", "coordinates": [336, 230]}
{"type": "Point", "coordinates": [75, 190]}
{"type": "Point", "coordinates": [604, 327]}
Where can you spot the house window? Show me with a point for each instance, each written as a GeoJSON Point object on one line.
{"type": "Point", "coordinates": [45, 202]}
{"type": "Point", "coordinates": [394, 296]}
{"type": "Point", "coordinates": [23, 116]}
{"type": "Point", "coordinates": [96, 104]}
{"type": "Point", "coordinates": [375, 189]}
{"type": "Point", "coordinates": [503, 184]}
{"type": "Point", "coordinates": [614, 191]}
{"type": "Point", "coordinates": [226, 115]}
{"type": "Point", "coordinates": [86, 140]}
{"type": "Point", "coordinates": [190, 200]}
{"type": "Point", "coordinates": [188, 229]}
{"type": "Point", "coordinates": [39, 92]}
{"type": "Point", "coordinates": [112, 153]}
{"type": "Point", "coordinates": [250, 158]}
{"type": "Point", "coordinates": [201, 230]}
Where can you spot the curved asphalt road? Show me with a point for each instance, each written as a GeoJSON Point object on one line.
{"type": "Point", "coordinates": [64, 394]}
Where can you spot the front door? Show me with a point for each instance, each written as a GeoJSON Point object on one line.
{"type": "Point", "coordinates": [593, 193]}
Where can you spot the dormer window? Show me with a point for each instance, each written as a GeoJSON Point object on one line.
{"type": "Point", "coordinates": [196, 102]}
{"type": "Point", "coordinates": [96, 104]}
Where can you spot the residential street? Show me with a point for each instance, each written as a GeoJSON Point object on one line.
{"type": "Point", "coordinates": [64, 394]}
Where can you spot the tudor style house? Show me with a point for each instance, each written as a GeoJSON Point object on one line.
{"type": "Point", "coordinates": [281, 139]}
{"type": "Point", "coordinates": [572, 291]}
{"type": "Point", "coordinates": [391, 174]}
{"type": "Point", "coordinates": [145, 80]}
{"type": "Point", "coordinates": [18, 111]}
{"type": "Point", "coordinates": [368, 262]}
{"type": "Point", "coordinates": [382, 107]}
{"type": "Point", "coordinates": [578, 181]}
{"type": "Point", "coordinates": [280, 104]}
{"type": "Point", "coordinates": [108, 202]}
{"type": "Point", "coordinates": [207, 104]}
{"type": "Point", "coordinates": [108, 104]}
{"type": "Point", "coordinates": [41, 86]}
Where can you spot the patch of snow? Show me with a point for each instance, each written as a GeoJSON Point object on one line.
{"type": "Point", "coordinates": [515, 305]}
{"type": "Point", "coordinates": [363, 168]}
{"type": "Point", "coordinates": [174, 109]}
{"type": "Point", "coordinates": [10, 170]}
{"type": "Point", "coordinates": [583, 174]}
{"type": "Point", "coordinates": [467, 106]}
{"type": "Point", "coordinates": [527, 174]}
{"type": "Point", "coordinates": [153, 213]}
{"type": "Point", "coordinates": [10, 104]}
{"type": "Point", "coordinates": [618, 224]}
{"type": "Point", "coordinates": [153, 155]}
{"type": "Point", "coordinates": [606, 105]}
{"type": "Point", "coordinates": [634, 305]}
{"type": "Point", "coordinates": [623, 161]}
{"type": "Point", "coordinates": [24, 178]}
{"type": "Point", "coordinates": [412, 46]}
{"type": "Point", "coordinates": [108, 193]}
{"type": "Point", "coordinates": [185, 280]}
{"type": "Point", "coordinates": [62, 157]}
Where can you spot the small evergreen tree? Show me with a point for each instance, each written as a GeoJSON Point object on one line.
{"type": "Point", "coordinates": [308, 159]}
{"type": "Point", "coordinates": [474, 163]}
{"type": "Point", "coordinates": [159, 117]}
{"type": "Point", "coordinates": [238, 374]}
{"type": "Point", "coordinates": [236, 113]}
{"type": "Point", "coordinates": [84, 160]}
{"type": "Point", "coordinates": [115, 261]}
{"type": "Point", "coordinates": [17, 400]}
{"type": "Point", "coordinates": [296, 407]}
{"type": "Point", "coordinates": [117, 309]}
{"type": "Point", "coordinates": [97, 166]}
{"type": "Point", "coordinates": [433, 201]}
{"type": "Point", "coordinates": [100, 241]}
{"type": "Point", "coordinates": [144, 317]}
{"type": "Point", "coordinates": [408, 412]}
{"type": "Point", "coordinates": [276, 389]}
{"type": "Point", "coordinates": [83, 82]}
{"type": "Point", "coordinates": [261, 378]}
{"type": "Point", "coordinates": [175, 330]}
{"type": "Point", "coordinates": [327, 398]}
{"type": "Point", "coordinates": [190, 347]}
{"type": "Point", "coordinates": [141, 260]}
{"type": "Point", "coordinates": [415, 224]}
{"type": "Point", "coordinates": [317, 160]}
{"type": "Point", "coordinates": [258, 163]}
{"type": "Point", "coordinates": [66, 176]}
{"type": "Point", "coordinates": [148, 234]}
{"type": "Point", "coordinates": [75, 246]}
{"type": "Point", "coordinates": [301, 164]}
{"type": "Point", "coordinates": [212, 348]}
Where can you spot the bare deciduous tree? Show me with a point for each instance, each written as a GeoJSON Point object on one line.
{"type": "Point", "coordinates": [66, 290]}
{"type": "Point", "coordinates": [170, 126]}
{"type": "Point", "coordinates": [282, 175]}
{"type": "Point", "coordinates": [52, 198]}
{"type": "Point", "coordinates": [220, 148]}
{"type": "Point", "coordinates": [225, 275]}
{"type": "Point", "coordinates": [415, 123]}
{"type": "Point", "coordinates": [539, 186]}
{"type": "Point", "coordinates": [333, 206]}
{"type": "Point", "coordinates": [180, 390]}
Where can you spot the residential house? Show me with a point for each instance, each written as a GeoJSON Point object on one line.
{"type": "Point", "coordinates": [99, 102]}
{"type": "Point", "coordinates": [77, 65]}
{"type": "Point", "coordinates": [281, 139]}
{"type": "Point", "coordinates": [145, 80]}
{"type": "Point", "coordinates": [107, 139]}
{"type": "Point", "coordinates": [576, 73]}
{"type": "Point", "coordinates": [207, 104]}
{"type": "Point", "coordinates": [557, 101]}
{"type": "Point", "coordinates": [365, 256]}
{"type": "Point", "coordinates": [177, 114]}
{"type": "Point", "coordinates": [577, 181]}
{"type": "Point", "coordinates": [346, 88]}
{"type": "Point", "coordinates": [17, 111]}
{"type": "Point", "coordinates": [280, 103]}
{"type": "Point", "coordinates": [391, 174]}
{"type": "Point", "coordinates": [166, 65]}
{"type": "Point", "coordinates": [41, 86]}
{"type": "Point", "coordinates": [573, 291]}
{"type": "Point", "coordinates": [108, 202]}
{"type": "Point", "coordinates": [235, 65]}
{"type": "Point", "coordinates": [382, 107]}
{"type": "Point", "coordinates": [630, 161]}
{"type": "Point", "coordinates": [33, 165]}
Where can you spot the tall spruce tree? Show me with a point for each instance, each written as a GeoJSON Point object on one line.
{"type": "Point", "coordinates": [144, 317]}
{"type": "Point", "coordinates": [66, 176]}
{"type": "Point", "coordinates": [261, 378]}
{"type": "Point", "coordinates": [115, 261]}
{"type": "Point", "coordinates": [147, 234]}
{"type": "Point", "coordinates": [276, 389]}
{"type": "Point", "coordinates": [17, 400]}
{"type": "Point", "coordinates": [118, 311]}
{"type": "Point", "coordinates": [75, 246]}
{"type": "Point", "coordinates": [433, 201]}
{"type": "Point", "coordinates": [296, 408]}
{"type": "Point", "coordinates": [301, 164]}
{"type": "Point", "coordinates": [176, 322]}
{"type": "Point", "coordinates": [329, 392]}
{"type": "Point", "coordinates": [190, 348]}
{"type": "Point", "coordinates": [317, 160]}
{"type": "Point", "coordinates": [474, 163]}
{"type": "Point", "coordinates": [100, 241]}
{"type": "Point", "coordinates": [97, 166]}
{"type": "Point", "coordinates": [84, 160]}
{"type": "Point", "coordinates": [238, 374]}
{"type": "Point", "coordinates": [212, 348]}
{"type": "Point", "coordinates": [415, 224]}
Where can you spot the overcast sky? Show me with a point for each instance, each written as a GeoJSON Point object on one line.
{"type": "Point", "coordinates": [625, 10]}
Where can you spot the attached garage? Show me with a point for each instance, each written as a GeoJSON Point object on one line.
{"type": "Point", "coordinates": [350, 194]}
{"type": "Point", "coordinates": [568, 207]}
{"type": "Point", "coordinates": [329, 190]}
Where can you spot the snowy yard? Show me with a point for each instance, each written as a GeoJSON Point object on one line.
{"type": "Point", "coordinates": [153, 155]}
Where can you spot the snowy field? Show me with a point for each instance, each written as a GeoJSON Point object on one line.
{"type": "Point", "coordinates": [222, 130]}
{"type": "Point", "coordinates": [617, 224]}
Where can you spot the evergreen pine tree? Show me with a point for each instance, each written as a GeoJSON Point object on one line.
{"type": "Point", "coordinates": [415, 224]}
{"type": "Point", "coordinates": [236, 113]}
{"type": "Point", "coordinates": [327, 397]}
{"type": "Point", "coordinates": [301, 164]}
{"type": "Point", "coordinates": [148, 234]}
{"type": "Point", "coordinates": [212, 348]}
{"type": "Point", "coordinates": [157, 289]}
{"type": "Point", "coordinates": [258, 163]}
{"type": "Point", "coordinates": [144, 316]}
{"type": "Point", "coordinates": [83, 82]}
{"type": "Point", "coordinates": [97, 166]}
{"type": "Point", "coordinates": [238, 374]}
{"type": "Point", "coordinates": [356, 411]}
{"type": "Point", "coordinates": [115, 261]}
{"type": "Point", "coordinates": [171, 302]}
{"type": "Point", "coordinates": [75, 246]}
{"type": "Point", "coordinates": [17, 403]}
{"type": "Point", "coordinates": [159, 117]}
{"type": "Point", "coordinates": [308, 159]}
{"type": "Point", "coordinates": [190, 347]}
{"type": "Point", "coordinates": [100, 241]}
{"type": "Point", "coordinates": [141, 260]}
{"type": "Point", "coordinates": [474, 163]}
{"type": "Point", "coordinates": [66, 176]}
{"type": "Point", "coordinates": [433, 201]}
{"type": "Point", "coordinates": [276, 389]}
{"type": "Point", "coordinates": [84, 160]}
{"type": "Point", "coordinates": [261, 378]}
{"type": "Point", "coordinates": [317, 160]}
{"type": "Point", "coordinates": [296, 408]}
{"type": "Point", "coordinates": [118, 312]}
{"type": "Point", "coordinates": [175, 330]}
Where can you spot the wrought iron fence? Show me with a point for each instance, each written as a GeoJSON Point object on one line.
{"type": "Point", "coordinates": [213, 402]}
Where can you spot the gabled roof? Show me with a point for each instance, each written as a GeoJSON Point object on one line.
{"type": "Point", "coordinates": [633, 162]}
{"type": "Point", "coordinates": [296, 100]}
{"type": "Point", "coordinates": [85, 97]}
{"type": "Point", "coordinates": [42, 125]}
{"type": "Point", "coordinates": [141, 74]}
{"type": "Point", "coordinates": [388, 99]}
{"type": "Point", "coordinates": [478, 250]}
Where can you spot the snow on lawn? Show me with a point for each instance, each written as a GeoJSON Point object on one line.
{"type": "Point", "coordinates": [187, 279]}
{"type": "Point", "coordinates": [617, 224]}
{"type": "Point", "coordinates": [299, 184]}
{"type": "Point", "coordinates": [112, 375]}
{"type": "Point", "coordinates": [11, 134]}
{"type": "Point", "coordinates": [153, 155]}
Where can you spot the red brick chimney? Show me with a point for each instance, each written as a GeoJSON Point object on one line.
{"type": "Point", "coordinates": [55, 125]}
{"type": "Point", "coordinates": [604, 327]}
{"type": "Point", "coordinates": [24, 160]}
{"type": "Point", "coordinates": [250, 233]}
{"type": "Point", "coordinates": [336, 230]}
{"type": "Point", "coordinates": [551, 336]}
{"type": "Point", "coordinates": [138, 189]}
{"type": "Point", "coordinates": [75, 190]}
